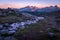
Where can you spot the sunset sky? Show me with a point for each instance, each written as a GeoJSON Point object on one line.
{"type": "Point", "coordinates": [23, 3]}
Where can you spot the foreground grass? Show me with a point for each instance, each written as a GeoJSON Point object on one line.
{"type": "Point", "coordinates": [37, 32]}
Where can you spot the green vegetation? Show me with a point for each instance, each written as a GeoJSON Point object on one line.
{"type": "Point", "coordinates": [33, 31]}
{"type": "Point", "coordinates": [8, 19]}
{"type": "Point", "coordinates": [13, 18]}
{"type": "Point", "coordinates": [37, 32]}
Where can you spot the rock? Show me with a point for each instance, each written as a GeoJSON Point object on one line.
{"type": "Point", "coordinates": [50, 34]}
{"type": "Point", "coordinates": [15, 26]}
{"type": "Point", "coordinates": [22, 23]}
{"type": "Point", "coordinates": [1, 26]}
{"type": "Point", "coordinates": [1, 38]}
{"type": "Point", "coordinates": [10, 38]}
{"type": "Point", "coordinates": [11, 32]}
{"type": "Point", "coordinates": [22, 27]}
{"type": "Point", "coordinates": [4, 31]}
{"type": "Point", "coordinates": [41, 31]}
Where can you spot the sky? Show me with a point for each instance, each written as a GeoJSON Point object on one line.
{"type": "Point", "coordinates": [23, 3]}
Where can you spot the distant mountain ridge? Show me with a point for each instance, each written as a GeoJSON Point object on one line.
{"type": "Point", "coordinates": [29, 8]}
{"type": "Point", "coordinates": [35, 9]}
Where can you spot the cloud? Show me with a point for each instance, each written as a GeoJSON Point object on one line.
{"type": "Point", "coordinates": [11, 5]}
{"type": "Point", "coordinates": [23, 3]}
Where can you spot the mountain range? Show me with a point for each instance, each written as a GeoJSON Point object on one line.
{"type": "Point", "coordinates": [35, 9]}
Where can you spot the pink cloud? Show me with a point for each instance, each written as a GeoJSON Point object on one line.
{"type": "Point", "coordinates": [20, 5]}
{"type": "Point", "coordinates": [11, 5]}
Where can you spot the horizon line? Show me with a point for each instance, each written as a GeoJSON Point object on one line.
{"type": "Point", "coordinates": [30, 6]}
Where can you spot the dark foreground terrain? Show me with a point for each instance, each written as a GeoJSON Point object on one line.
{"type": "Point", "coordinates": [16, 25]}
